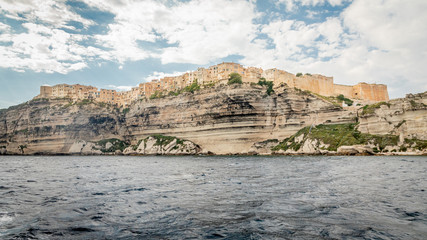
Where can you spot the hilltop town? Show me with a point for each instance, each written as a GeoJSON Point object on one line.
{"type": "Point", "coordinates": [218, 74]}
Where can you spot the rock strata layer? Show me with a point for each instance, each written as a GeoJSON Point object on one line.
{"type": "Point", "coordinates": [220, 120]}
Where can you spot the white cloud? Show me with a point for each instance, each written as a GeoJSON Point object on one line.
{"type": "Point", "coordinates": [375, 41]}
{"type": "Point", "coordinates": [4, 27]}
{"type": "Point", "coordinates": [55, 13]}
{"type": "Point", "coordinates": [199, 31]}
{"type": "Point", "coordinates": [392, 35]}
{"type": "Point", "coordinates": [121, 88]}
{"type": "Point", "coordinates": [159, 75]}
{"type": "Point", "coordinates": [379, 41]}
{"type": "Point", "coordinates": [292, 4]}
{"type": "Point", "coordinates": [296, 43]}
{"type": "Point", "coordinates": [44, 49]}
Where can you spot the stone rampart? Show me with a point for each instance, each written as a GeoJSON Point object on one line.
{"type": "Point", "coordinates": [218, 74]}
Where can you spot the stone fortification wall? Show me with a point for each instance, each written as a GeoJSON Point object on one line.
{"type": "Point", "coordinates": [217, 74]}
{"type": "Point", "coordinates": [364, 91]}
{"type": "Point", "coordinates": [345, 90]}
{"type": "Point", "coordinates": [278, 76]}
{"type": "Point", "coordinates": [374, 92]}
{"type": "Point", "coordinates": [316, 83]}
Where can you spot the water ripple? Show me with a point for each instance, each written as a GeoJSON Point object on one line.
{"type": "Point", "coordinates": [98, 197]}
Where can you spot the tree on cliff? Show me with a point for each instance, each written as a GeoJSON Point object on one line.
{"type": "Point", "coordinates": [234, 78]}
{"type": "Point", "coordinates": [269, 84]}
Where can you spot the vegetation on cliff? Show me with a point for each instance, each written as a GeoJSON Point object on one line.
{"type": "Point", "coordinates": [331, 137]}
{"type": "Point", "coordinates": [161, 144]}
{"type": "Point", "coordinates": [235, 78]}
{"type": "Point", "coordinates": [190, 88]}
{"type": "Point", "coordinates": [337, 101]}
{"type": "Point", "coordinates": [269, 84]}
{"type": "Point", "coordinates": [347, 101]}
{"type": "Point", "coordinates": [162, 140]}
{"type": "Point", "coordinates": [112, 145]}
{"type": "Point", "coordinates": [369, 109]}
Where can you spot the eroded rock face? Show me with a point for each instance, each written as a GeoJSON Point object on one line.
{"type": "Point", "coordinates": [221, 120]}
{"type": "Point", "coordinates": [355, 149]}
{"type": "Point", "coordinates": [406, 117]}
{"type": "Point", "coordinates": [229, 119]}
{"type": "Point", "coordinates": [151, 146]}
{"type": "Point", "coordinates": [85, 148]}
{"type": "Point", "coordinates": [53, 126]}
{"type": "Point", "coordinates": [263, 147]}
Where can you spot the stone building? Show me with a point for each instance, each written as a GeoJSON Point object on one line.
{"type": "Point", "coordinates": [217, 74]}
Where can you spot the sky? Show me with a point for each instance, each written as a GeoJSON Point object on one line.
{"type": "Point", "coordinates": [117, 44]}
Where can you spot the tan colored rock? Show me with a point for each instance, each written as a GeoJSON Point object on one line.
{"type": "Point", "coordinates": [223, 119]}
{"type": "Point", "coordinates": [355, 149]}
{"type": "Point", "coordinates": [108, 145]}
{"type": "Point", "coordinates": [350, 150]}
{"type": "Point", "coordinates": [263, 147]}
{"type": "Point", "coordinates": [149, 146]}
{"type": "Point", "coordinates": [77, 147]}
{"type": "Point", "coordinates": [406, 117]}
{"type": "Point", "coordinates": [129, 151]}
{"type": "Point", "coordinates": [310, 147]}
{"type": "Point", "coordinates": [91, 148]}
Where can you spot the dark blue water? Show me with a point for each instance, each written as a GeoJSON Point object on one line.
{"type": "Point", "coordinates": [71, 197]}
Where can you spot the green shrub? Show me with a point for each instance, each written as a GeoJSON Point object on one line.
{"type": "Point", "coordinates": [336, 135]}
{"type": "Point", "coordinates": [125, 110]}
{"type": "Point", "coordinates": [156, 94]}
{"type": "Point", "coordinates": [209, 85]}
{"type": "Point", "coordinates": [419, 144]}
{"type": "Point", "coordinates": [162, 140]}
{"type": "Point", "coordinates": [347, 101]}
{"type": "Point", "coordinates": [117, 144]}
{"type": "Point", "coordinates": [84, 102]}
{"type": "Point", "coordinates": [299, 74]}
{"type": "Point", "coordinates": [269, 84]}
{"type": "Point", "coordinates": [369, 109]}
{"type": "Point", "coordinates": [234, 78]}
{"type": "Point", "coordinates": [192, 88]}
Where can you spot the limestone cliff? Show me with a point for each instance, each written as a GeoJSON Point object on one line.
{"type": "Point", "coordinates": [221, 119]}
{"type": "Point", "coordinates": [406, 117]}
{"type": "Point", "coordinates": [52, 126]}
{"type": "Point", "coordinates": [341, 139]}
{"type": "Point", "coordinates": [229, 119]}
{"type": "Point", "coordinates": [398, 126]}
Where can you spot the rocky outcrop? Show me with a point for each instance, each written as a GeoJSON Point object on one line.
{"type": "Point", "coordinates": [406, 117]}
{"type": "Point", "coordinates": [83, 147]}
{"type": "Point", "coordinates": [264, 147]}
{"type": "Point", "coordinates": [163, 145]}
{"type": "Point", "coordinates": [343, 139]}
{"type": "Point", "coordinates": [355, 150]}
{"type": "Point", "coordinates": [45, 126]}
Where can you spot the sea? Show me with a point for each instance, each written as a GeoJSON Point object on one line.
{"type": "Point", "coordinates": [213, 197]}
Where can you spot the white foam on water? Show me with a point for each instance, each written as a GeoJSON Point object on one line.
{"type": "Point", "coordinates": [5, 219]}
